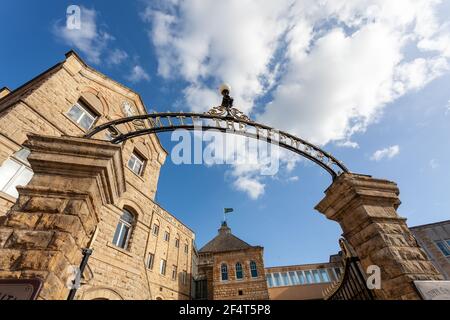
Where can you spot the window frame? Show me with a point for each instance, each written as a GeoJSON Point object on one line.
{"type": "Point", "coordinates": [23, 169]}
{"type": "Point", "coordinates": [253, 268]}
{"type": "Point", "coordinates": [86, 110]}
{"type": "Point", "coordinates": [445, 250]}
{"type": "Point", "coordinates": [122, 223]}
{"type": "Point", "coordinates": [155, 227]}
{"type": "Point", "coordinates": [174, 272]}
{"type": "Point", "coordinates": [163, 267]}
{"type": "Point", "coordinates": [241, 271]}
{"type": "Point", "coordinates": [138, 158]}
{"type": "Point", "coordinates": [224, 271]}
{"type": "Point", "coordinates": [150, 261]}
{"type": "Point", "coordinates": [177, 242]}
{"type": "Point", "coordinates": [166, 236]}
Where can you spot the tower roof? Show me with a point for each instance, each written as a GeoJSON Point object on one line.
{"type": "Point", "coordinates": [224, 241]}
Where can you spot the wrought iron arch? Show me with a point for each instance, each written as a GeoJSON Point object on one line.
{"type": "Point", "coordinates": [224, 118]}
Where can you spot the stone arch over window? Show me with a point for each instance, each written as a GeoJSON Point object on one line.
{"type": "Point", "coordinates": [96, 100]}
{"type": "Point", "coordinates": [101, 293]}
{"type": "Point", "coordinates": [224, 272]}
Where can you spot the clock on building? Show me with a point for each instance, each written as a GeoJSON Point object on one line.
{"type": "Point", "coordinates": [128, 109]}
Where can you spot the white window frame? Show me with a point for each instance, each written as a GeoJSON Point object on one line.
{"type": "Point", "coordinates": [163, 267]}
{"type": "Point", "coordinates": [85, 111]}
{"type": "Point", "coordinates": [124, 224]}
{"type": "Point", "coordinates": [150, 261]}
{"type": "Point", "coordinates": [155, 230]}
{"type": "Point", "coordinates": [137, 159]}
{"type": "Point", "coordinates": [24, 168]}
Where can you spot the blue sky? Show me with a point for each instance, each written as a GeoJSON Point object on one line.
{"type": "Point", "coordinates": [366, 80]}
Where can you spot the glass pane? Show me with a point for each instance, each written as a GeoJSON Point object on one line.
{"type": "Point", "coordinates": [277, 279]}
{"type": "Point", "coordinates": [127, 217]}
{"type": "Point", "coordinates": [131, 162]}
{"type": "Point", "coordinates": [117, 233]}
{"type": "Point", "coordinates": [138, 167]}
{"type": "Point", "coordinates": [301, 277]}
{"type": "Point", "coordinates": [325, 276]}
{"type": "Point", "coordinates": [443, 248]}
{"type": "Point", "coordinates": [21, 179]}
{"type": "Point", "coordinates": [316, 276]}
{"type": "Point", "coordinates": [285, 278]}
{"type": "Point", "coordinates": [86, 121]}
{"type": "Point", "coordinates": [7, 171]}
{"type": "Point", "coordinates": [294, 279]}
{"type": "Point", "coordinates": [123, 237]}
{"type": "Point", "coordinates": [269, 280]}
{"type": "Point", "coordinates": [309, 277]}
{"type": "Point", "coordinates": [75, 113]}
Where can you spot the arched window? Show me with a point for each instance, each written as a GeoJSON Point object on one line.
{"type": "Point", "coordinates": [239, 273]}
{"type": "Point", "coordinates": [253, 269]}
{"type": "Point", "coordinates": [14, 172]}
{"type": "Point", "coordinates": [224, 272]}
{"type": "Point", "coordinates": [123, 230]}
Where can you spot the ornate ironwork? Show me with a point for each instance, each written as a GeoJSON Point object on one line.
{"type": "Point", "coordinates": [352, 283]}
{"type": "Point", "coordinates": [224, 118]}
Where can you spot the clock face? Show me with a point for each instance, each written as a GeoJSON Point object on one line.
{"type": "Point", "coordinates": [128, 109]}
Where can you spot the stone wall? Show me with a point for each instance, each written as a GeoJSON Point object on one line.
{"type": "Point", "coordinates": [40, 107]}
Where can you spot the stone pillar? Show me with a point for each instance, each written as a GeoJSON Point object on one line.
{"type": "Point", "coordinates": [366, 210]}
{"type": "Point", "coordinates": [56, 214]}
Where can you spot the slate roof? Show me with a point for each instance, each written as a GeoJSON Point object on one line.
{"type": "Point", "coordinates": [224, 241]}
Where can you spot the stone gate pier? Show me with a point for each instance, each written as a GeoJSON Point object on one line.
{"type": "Point", "coordinates": [365, 208]}
{"type": "Point", "coordinates": [56, 214]}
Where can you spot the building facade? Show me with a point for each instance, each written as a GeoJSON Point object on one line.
{"type": "Point", "coordinates": [140, 251]}
{"type": "Point", "coordinates": [434, 238]}
{"type": "Point", "coordinates": [230, 269]}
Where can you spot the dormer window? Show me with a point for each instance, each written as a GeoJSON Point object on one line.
{"type": "Point", "coordinates": [82, 115]}
{"type": "Point", "coordinates": [136, 163]}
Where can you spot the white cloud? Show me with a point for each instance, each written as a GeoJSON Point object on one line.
{"type": "Point", "coordinates": [89, 39]}
{"type": "Point", "coordinates": [434, 164]}
{"type": "Point", "coordinates": [387, 153]}
{"type": "Point", "coordinates": [327, 68]}
{"type": "Point", "coordinates": [138, 74]}
{"type": "Point", "coordinates": [252, 187]}
{"type": "Point", "coordinates": [293, 179]}
{"type": "Point", "coordinates": [117, 56]}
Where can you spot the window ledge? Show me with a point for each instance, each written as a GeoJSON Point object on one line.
{"type": "Point", "coordinates": [128, 253]}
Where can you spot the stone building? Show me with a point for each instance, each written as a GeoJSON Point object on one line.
{"type": "Point", "coordinates": [140, 251]}
{"type": "Point", "coordinates": [434, 238]}
{"type": "Point", "coordinates": [230, 269]}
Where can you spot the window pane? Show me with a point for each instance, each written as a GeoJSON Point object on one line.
{"type": "Point", "coordinates": [294, 279]}
{"type": "Point", "coordinates": [131, 163]}
{"type": "Point", "coordinates": [224, 272]}
{"type": "Point", "coordinates": [309, 277]}
{"type": "Point", "coordinates": [285, 278]}
{"type": "Point", "coordinates": [316, 276]}
{"type": "Point", "coordinates": [151, 258]}
{"type": "Point", "coordinates": [443, 247]}
{"type": "Point", "coordinates": [23, 154]}
{"type": "Point", "coordinates": [277, 279]}
{"type": "Point", "coordinates": [116, 234]}
{"type": "Point", "coordinates": [253, 269]}
{"type": "Point", "coordinates": [75, 113]}
{"type": "Point", "coordinates": [21, 179]}
{"type": "Point", "coordinates": [239, 274]}
{"type": "Point", "coordinates": [301, 277]}
{"type": "Point", "coordinates": [7, 171]}
{"type": "Point", "coordinates": [86, 121]}
{"type": "Point", "coordinates": [269, 280]}
{"type": "Point", "coordinates": [325, 276]}
{"type": "Point", "coordinates": [138, 167]}
{"type": "Point", "coordinates": [124, 237]}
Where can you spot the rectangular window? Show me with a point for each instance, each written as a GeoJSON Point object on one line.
{"type": "Point", "coordinates": [150, 261]}
{"type": "Point", "coordinates": [277, 279]}
{"type": "Point", "coordinates": [174, 273]}
{"type": "Point", "coordinates": [444, 247]}
{"type": "Point", "coordinates": [316, 276]}
{"type": "Point", "coordinates": [136, 163]}
{"type": "Point", "coordinates": [14, 172]}
{"type": "Point", "coordinates": [82, 116]}
{"type": "Point", "coordinates": [269, 280]}
{"type": "Point", "coordinates": [184, 277]}
{"type": "Point", "coordinates": [155, 230]}
{"type": "Point", "coordinates": [294, 279]}
{"type": "Point", "coordinates": [177, 243]}
{"type": "Point", "coordinates": [309, 277]}
{"type": "Point", "coordinates": [162, 267]}
{"type": "Point", "coordinates": [301, 277]}
{"type": "Point", "coordinates": [324, 275]}
{"type": "Point", "coordinates": [186, 248]}
{"type": "Point", "coordinates": [166, 236]}
{"type": "Point", "coordinates": [285, 278]}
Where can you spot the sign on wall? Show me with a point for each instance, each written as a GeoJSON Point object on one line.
{"type": "Point", "coordinates": [20, 289]}
{"type": "Point", "coordinates": [433, 290]}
